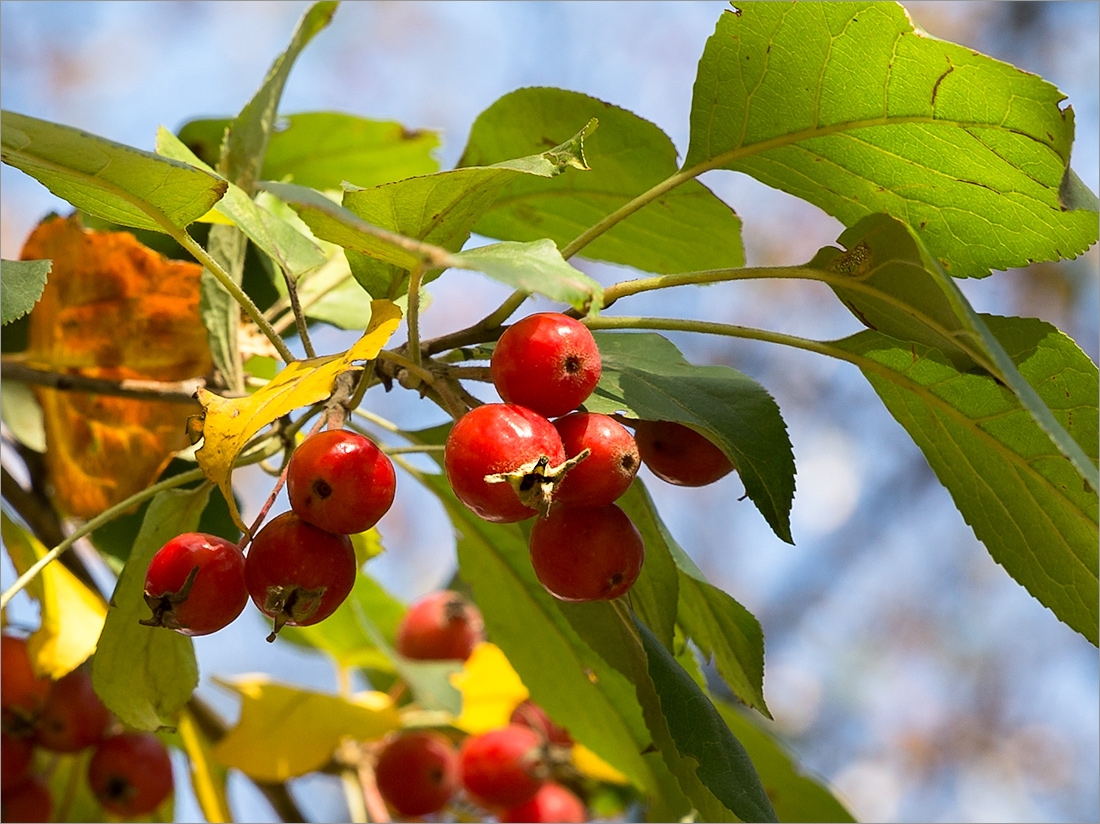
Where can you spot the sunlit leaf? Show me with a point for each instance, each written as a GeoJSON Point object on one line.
{"type": "Point", "coordinates": [490, 689]}
{"type": "Point", "coordinates": [112, 309]}
{"type": "Point", "coordinates": [229, 423]}
{"type": "Point", "coordinates": [284, 731]}
{"type": "Point", "coordinates": [684, 229]}
{"type": "Point", "coordinates": [71, 615]}
{"type": "Point", "coordinates": [848, 106]}
{"type": "Point", "coordinates": [118, 183]}
{"type": "Point", "coordinates": [146, 674]}
{"type": "Point", "coordinates": [24, 281]}
{"type": "Point", "coordinates": [208, 777]}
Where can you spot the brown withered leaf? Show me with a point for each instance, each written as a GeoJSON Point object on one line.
{"type": "Point", "coordinates": [113, 309]}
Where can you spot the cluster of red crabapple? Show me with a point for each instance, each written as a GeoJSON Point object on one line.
{"type": "Point", "coordinates": [129, 773]}
{"type": "Point", "coordinates": [516, 772]}
{"type": "Point", "coordinates": [537, 454]}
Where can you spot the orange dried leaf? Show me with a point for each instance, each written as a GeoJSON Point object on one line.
{"type": "Point", "coordinates": [229, 424]}
{"type": "Point", "coordinates": [117, 310]}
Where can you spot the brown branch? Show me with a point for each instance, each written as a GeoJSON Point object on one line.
{"type": "Point", "coordinates": [170, 391]}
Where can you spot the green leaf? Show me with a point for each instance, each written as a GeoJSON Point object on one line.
{"type": "Point", "coordinates": [534, 267]}
{"type": "Point", "coordinates": [246, 140]}
{"type": "Point", "coordinates": [721, 628]}
{"type": "Point", "coordinates": [324, 149]}
{"type": "Point", "coordinates": [795, 795]}
{"type": "Point", "coordinates": [684, 229]}
{"type": "Point", "coordinates": [913, 299]}
{"type": "Point", "coordinates": [1024, 500]}
{"type": "Point", "coordinates": [702, 752]}
{"type": "Point", "coordinates": [562, 672]}
{"type": "Point", "coordinates": [23, 282]}
{"type": "Point", "coordinates": [146, 674]}
{"type": "Point", "coordinates": [645, 376]}
{"type": "Point", "coordinates": [847, 106]}
{"type": "Point", "coordinates": [115, 182]}
{"type": "Point", "coordinates": [441, 208]}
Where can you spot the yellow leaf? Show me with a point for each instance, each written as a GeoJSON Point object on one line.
{"type": "Point", "coordinates": [72, 616]}
{"type": "Point", "coordinates": [285, 731]}
{"type": "Point", "coordinates": [490, 689]}
{"type": "Point", "coordinates": [207, 775]}
{"type": "Point", "coordinates": [229, 424]}
{"type": "Point", "coordinates": [595, 767]}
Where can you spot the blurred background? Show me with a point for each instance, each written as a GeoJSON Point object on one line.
{"type": "Point", "coordinates": [904, 667]}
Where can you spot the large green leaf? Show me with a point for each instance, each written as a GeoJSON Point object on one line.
{"type": "Point", "coordinates": [686, 228]}
{"type": "Point", "coordinates": [324, 149]}
{"type": "Point", "coordinates": [847, 106]}
{"type": "Point", "coordinates": [118, 183]}
{"type": "Point", "coordinates": [720, 627]}
{"type": "Point", "coordinates": [23, 282]}
{"type": "Point", "coordinates": [440, 208]}
{"type": "Point", "coordinates": [646, 377]}
{"type": "Point", "coordinates": [146, 674]}
{"type": "Point", "coordinates": [1025, 501]}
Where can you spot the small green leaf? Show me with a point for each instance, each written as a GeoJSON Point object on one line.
{"type": "Point", "coordinates": [146, 674]}
{"type": "Point", "coordinates": [534, 267]}
{"type": "Point", "coordinates": [1025, 501]}
{"type": "Point", "coordinates": [686, 228]}
{"type": "Point", "coordinates": [849, 107]}
{"type": "Point", "coordinates": [23, 282]}
{"type": "Point", "coordinates": [646, 377]}
{"type": "Point", "coordinates": [324, 149]}
{"type": "Point", "coordinates": [111, 181]}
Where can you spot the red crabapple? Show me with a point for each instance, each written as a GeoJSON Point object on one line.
{"type": "Point", "coordinates": [611, 464]}
{"type": "Point", "coordinates": [440, 626]}
{"type": "Point", "coordinates": [73, 716]}
{"type": "Point", "coordinates": [130, 773]}
{"type": "Point", "coordinates": [16, 754]}
{"type": "Point", "coordinates": [503, 461]}
{"type": "Point", "coordinates": [340, 481]}
{"type": "Point", "coordinates": [680, 455]}
{"type": "Point", "coordinates": [22, 691]}
{"type": "Point", "coordinates": [195, 584]}
{"type": "Point", "coordinates": [417, 772]}
{"type": "Point", "coordinates": [28, 802]}
{"type": "Point", "coordinates": [529, 714]}
{"type": "Point", "coordinates": [552, 803]}
{"type": "Point", "coordinates": [586, 553]}
{"type": "Point", "coordinates": [547, 362]}
{"type": "Point", "coordinates": [503, 767]}
{"type": "Point", "coordinates": [298, 574]}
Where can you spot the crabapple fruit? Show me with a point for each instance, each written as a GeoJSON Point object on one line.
{"type": "Point", "coordinates": [417, 772]}
{"type": "Point", "coordinates": [340, 481]}
{"type": "Point", "coordinates": [73, 717]}
{"type": "Point", "coordinates": [195, 584]}
{"type": "Point", "coordinates": [130, 773]}
{"type": "Point", "coordinates": [16, 754]}
{"type": "Point", "coordinates": [298, 574]}
{"type": "Point", "coordinates": [29, 801]}
{"type": "Point", "coordinates": [22, 691]}
{"type": "Point", "coordinates": [586, 553]}
{"type": "Point", "coordinates": [611, 463]}
{"type": "Point", "coordinates": [552, 803]}
{"type": "Point", "coordinates": [440, 626]}
{"type": "Point", "coordinates": [503, 461]}
{"type": "Point", "coordinates": [677, 454]}
{"type": "Point", "coordinates": [529, 714]}
{"type": "Point", "coordinates": [503, 767]}
{"type": "Point", "coordinates": [547, 362]}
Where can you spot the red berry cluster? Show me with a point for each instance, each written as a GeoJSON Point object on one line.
{"type": "Point", "coordinates": [508, 461]}
{"type": "Point", "coordinates": [129, 773]}
{"type": "Point", "coordinates": [513, 772]}
{"type": "Point", "coordinates": [300, 566]}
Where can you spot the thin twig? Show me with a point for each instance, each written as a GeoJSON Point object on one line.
{"type": "Point", "coordinates": [147, 390]}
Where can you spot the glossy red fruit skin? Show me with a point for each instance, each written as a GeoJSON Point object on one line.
{"type": "Point", "coordinates": [503, 767]}
{"type": "Point", "coordinates": [679, 455]}
{"type": "Point", "coordinates": [610, 467]}
{"type": "Point", "coordinates": [441, 626]}
{"type": "Point", "coordinates": [530, 714]}
{"type": "Point", "coordinates": [586, 553]}
{"type": "Point", "coordinates": [28, 802]}
{"type": "Point", "coordinates": [16, 754]}
{"type": "Point", "coordinates": [340, 481]}
{"type": "Point", "coordinates": [73, 717]}
{"type": "Point", "coordinates": [298, 574]}
{"type": "Point", "coordinates": [215, 596]}
{"type": "Point", "coordinates": [496, 439]}
{"type": "Point", "coordinates": [22, 692]}
{"type": "Point", "coordinates": [417, 773]}
{"type": "Point", "coordinates": [130, 773]}
{"type": "Point", "coordinates": [552, 803]}
{"type": "Point", "coordinates": [547, 362]}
